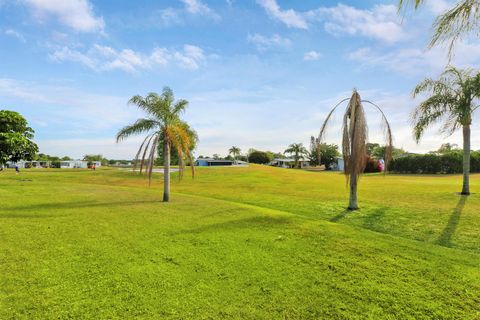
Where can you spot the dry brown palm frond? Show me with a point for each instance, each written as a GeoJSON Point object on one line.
{"type": "Point", "coordinates": [151, 159]}
{"type": "Point", "coordinates": [323, 130]}
{"type": "Point", "coordinates": [387, 130]}
{"type": "Point", "coordinates": [142, 162]}
{"type": "Point", "coordinates": [354, 140]}
{"type": "Point", "coordinates": [137, 156]}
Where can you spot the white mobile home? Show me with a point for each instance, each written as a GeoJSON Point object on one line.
{"type": "Point", "coordinates": [73, 164]}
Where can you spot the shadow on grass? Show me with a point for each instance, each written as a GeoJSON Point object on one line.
{"type": "Point", "coordinates": [447, 233]}
{"type": "Point", "coordinates": [72, 205]}
{"type": "Point", "coordinates": [252, 222]}
{"type": "Point", "coordinates": [340, 216]}
{"type": "Point", "coordinates": [371, 221]}
{"type": "Point", "coordinates": [29, 216]}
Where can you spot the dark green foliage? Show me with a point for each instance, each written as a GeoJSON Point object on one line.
{"type": "Point", "coordinates": [449, 163]}
{"type": "Point", "coordinates": [259, 157]}
{"type": "Point", "coordinates": [378, 152]}
{"type": "Point", "coordinates": [329, 154]}
{"type": "Point", "coordinates": [15, 138]}
{"type": "Point", "coordinates": [95, 157]}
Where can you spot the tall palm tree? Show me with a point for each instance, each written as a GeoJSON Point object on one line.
{"type": "Point", "coordinates": [164, 128]}
{"type": "Point", "coordinates": [297, 150]}
{"type": "Point", "coordinates": [235, 152]}
{"type": "Point", "coordinates": [451, 99]}
{"type": "Point", "coordinates": [354, 141]}
{"type": "Point", "coordinates": [461, 19]}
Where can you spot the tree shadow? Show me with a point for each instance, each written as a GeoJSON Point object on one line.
{"type": "Point", "coordinates": [252, 222]}
{"type": "Point", "coordinates": [340, 216]}
{"type": "Point", "coordinates": [371, 221]}
{"type": "Point", "coordinates": [71, 205]}
{"type": "Point", "coordinates": [447, 233]}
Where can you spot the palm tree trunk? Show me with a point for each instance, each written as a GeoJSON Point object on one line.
{"type": "Point", "coordinates": [353, 202]}
{"type": "Point", "coordinates": [166, 171]}
{"type": "Point", "coordinates": [466, 160]}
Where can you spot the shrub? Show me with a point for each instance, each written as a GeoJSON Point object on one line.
{"type": "Point", "coordinates": [449, 163]}
{"type": "Point", "coordinates": [372, 165]}
{"type": "Point", "coordinates": [259, 157]}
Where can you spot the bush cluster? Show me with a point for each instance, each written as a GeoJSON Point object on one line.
{"type": "Point", "coordinates": [372, 165]}
{"type": "Point", "coordinates": [434, 163]}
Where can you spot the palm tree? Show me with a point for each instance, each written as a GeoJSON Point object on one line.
{"type": "Point", "coordinates": [461, 19]}
{"type": "Point", "coordinates": [451, 98]}
{"type": "Point", "coordinates": [164, 128]}
{"type": "Point", "coordinates": [354, 141]}
{"type": "Point", "coordinates": [235, 152]}
{"type": "Point", "coordinates": [297, 149]}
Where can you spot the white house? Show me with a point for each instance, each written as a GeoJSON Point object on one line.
{"type": "Point", "coordinates": [73, 164]}
{"type": "Point", "coordinates": [289, 163]}
{"type": "Point", "coordinates": [339, 165]}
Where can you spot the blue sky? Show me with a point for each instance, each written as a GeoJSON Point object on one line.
{"type": "Point", "coordinates": [258, 73]}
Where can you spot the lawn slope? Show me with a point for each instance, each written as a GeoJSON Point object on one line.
{"type": "Point", "coordinates": [101, 245]}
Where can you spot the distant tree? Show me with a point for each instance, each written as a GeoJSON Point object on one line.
{"type": "Point", "coordinates": [235, 152]}
{"type": "Point", "coordinates": [322, 153]}
{"type": "Point", "coordinates": [329, 154]}
{"type": "Point", "coordinates": [447, 148]}
{"type": "Point", "coordinates": [15, 138]}
{"type": "Point", "coordinates": [451, 99]}
{"type": "Point", "coordinates": [275, 155]}
{"type": "Point", "coordinates": [66, 158]}
{"type": "Point", "coordinates": [95, 157]}
{"type": "Point", "coordinates": [216, 156]}
{"type": "Point", "coordinates": [298, 151]}
{"type": "Point", "coordinates": [379, 152]}
{"type": "Point", "coordinates": [163, 125]}
{"type": "Point", "coordinates": [259, 157]}
{"type": "Point", "coordinates": [371, 148]}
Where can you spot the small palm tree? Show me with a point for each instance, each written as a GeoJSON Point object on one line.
{"type": "Point", "coordinates": [297, 150]}
{"type": "Point", "coordinates": [164, 128]}
{"type": "Point", "coordinates": [455, 23]}
{"type": "Point", "coordinates": [354, 141]}
{"type": "Point", "coordinates": [451, 99]}
{"type": "Point", "coordinates": [235, 152]}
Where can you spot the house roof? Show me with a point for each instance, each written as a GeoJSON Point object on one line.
{"type": "Point", "coordinates": [214, 160]}
{"type": "Point", "coordinates": [290, 160]}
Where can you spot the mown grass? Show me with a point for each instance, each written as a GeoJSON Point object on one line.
{"type": "Point", "coordinates": [236, 243]}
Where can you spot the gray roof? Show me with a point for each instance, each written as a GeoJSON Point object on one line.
{"type": "Point", "coordinates": [214, 160]}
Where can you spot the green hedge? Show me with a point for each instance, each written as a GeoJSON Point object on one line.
{"type": "Point", "coordinates": [432, 163]}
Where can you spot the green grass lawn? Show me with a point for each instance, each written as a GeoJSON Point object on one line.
{"type": "Point", "coordinates": [237, 243]}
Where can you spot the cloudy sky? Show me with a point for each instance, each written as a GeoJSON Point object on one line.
{"type": "Point", "coordinates": [258, 73]}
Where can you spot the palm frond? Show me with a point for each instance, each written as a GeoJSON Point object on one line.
{"type": "Point", "coordinates": [354, 139]}
{"type": "Point", "coordinates": [456, 23]}
{"type": "Point", "coordinates": [140, 126]}
{"type": "Point", "coordinates": [387, 131]}
{"type": "Point", "coordinates": [180, 106]}
{"type": "Point", "coordinates": [151, 159]}
{"type": "Point", "coordinates": [137, 156]}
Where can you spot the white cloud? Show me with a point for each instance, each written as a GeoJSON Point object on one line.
{"type": "Point", "coordinates": [290, 17]}
{"type": "Point", "coordinates": [263, 43]}
{"type": "Point", "coordinates": [104, 58]}
{"type": "Point", "coordinates": [417, 62]}
{"type": "Point", "coordinates": [199, 8]}
{"type": "Point", "coordinates": [312, 56]}
{"type": "Point", "coordinates": [169, 17]}
{"type": "Point", "coordinates": [15, 34]}
{"type": "Point", "coordinates": [381, 22]}
{"type": "Point", "coordinates": [438, 6]}
{"type": "Point", "coordinates": [76, 14]}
